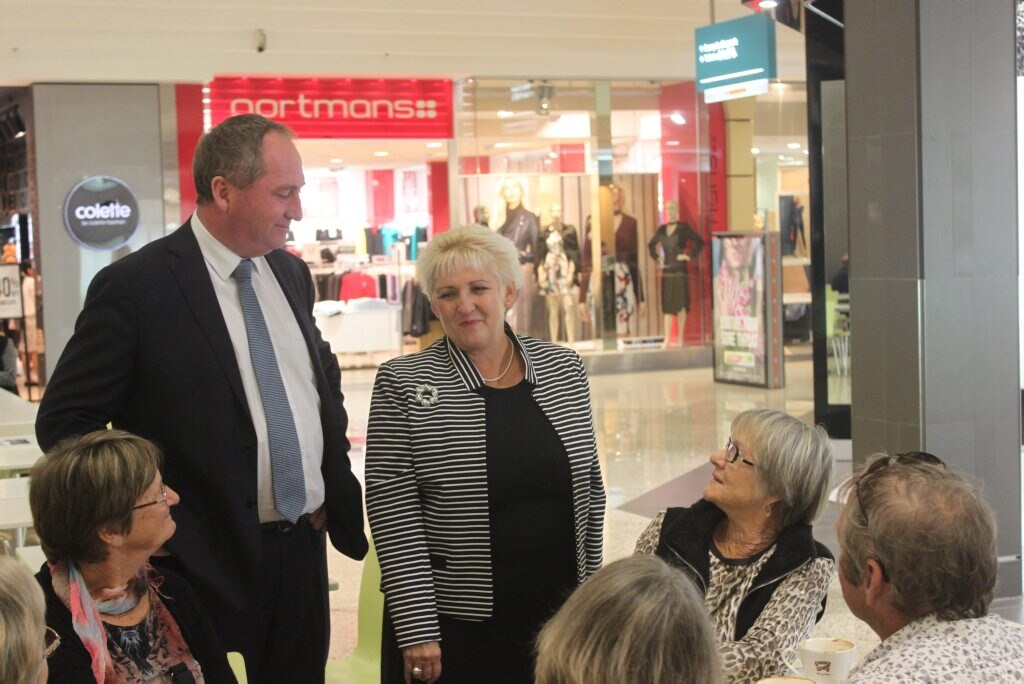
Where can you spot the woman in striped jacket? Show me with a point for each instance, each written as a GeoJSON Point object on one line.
{"type": "Point", "coordinates": [483, 486]}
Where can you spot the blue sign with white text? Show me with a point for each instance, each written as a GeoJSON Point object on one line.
{"type": "Point", "coordinates": [735, 52]}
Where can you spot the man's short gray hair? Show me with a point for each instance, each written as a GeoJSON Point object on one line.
{"type": "Point", "coordinates": [232, 149]}
{"type": "Point", "coordinates": [794, 461]}
{"type": "Point", "coordinates": [473, 247]}
{"type": "Point", "coordinates": [930, 530]}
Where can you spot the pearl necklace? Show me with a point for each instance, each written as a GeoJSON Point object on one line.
{"type": "Point", "coordinates": [512, 355]}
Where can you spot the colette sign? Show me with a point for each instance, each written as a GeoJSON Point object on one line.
{"type": "Point", "coordinates": [340, 107]}
{"type": "Point", "coordinates": [101, 213]}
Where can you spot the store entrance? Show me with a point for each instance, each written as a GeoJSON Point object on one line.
{"type": "Point", "coordinates": [368, 206]}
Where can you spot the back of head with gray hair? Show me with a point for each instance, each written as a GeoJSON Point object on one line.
{"type": "Point", "coordinates": [636, 620]}
{"type": "Point", "coordinates": [232, 149]}
{"type": "Point", "coordinates": [794, 461]}
{"type": "Point", "coordinates": [22, 624]}
{"type": "Point", "coordinates": [930, 530]}
{"type": "Point", "coordinates": [474, 247]}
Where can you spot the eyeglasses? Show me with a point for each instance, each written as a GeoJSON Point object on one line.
{"type": "Point", "coordinates": [52, 642]}
{"type": "Point", "coordinates": [162, 499]}
{"type": "Point", "coordinates": [885, 462]}
{"type": "Point", "coordinates": [879, 465]}
{"type": "Point", "coordinates": [733, 450]}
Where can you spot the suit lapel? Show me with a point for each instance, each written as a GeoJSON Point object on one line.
{"type": "Point", "coordinates": [294, 297]}
{"type": "Point", "coordinates": [188, 267]}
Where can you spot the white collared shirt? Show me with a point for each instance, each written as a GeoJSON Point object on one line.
{"type": "Point", "coordinates": [292, 358]}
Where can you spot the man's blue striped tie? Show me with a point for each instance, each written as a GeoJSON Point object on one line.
{"type": "Point", "coordinates": [285, 454]}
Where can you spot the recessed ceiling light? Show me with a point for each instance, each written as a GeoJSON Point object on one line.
{"type": "Point", "coordinates": [672, 143]}
{"type": "Point", "coordinates": [779, 85]}
{"type": "Point", "coordinates": [677, 118]}
{"type": "Point", "coordinates": [782, 157]}
{"type": "Point", "coordinates": [553, 154]}
{"type": "Point", "coordinates": [794, 146]}
{"type": "Point", "coordinates": [768, 4]}
{"type": "Point", "coordinates": [501, 145]}
{"type": "Point", "coordinates": [434, 145]}
{"type": "Point", "coordinates": [505, 114]}
{"type": "Point", "coordinates": [336, 160]}
{"type": "Point", "coordinates": [755, 150]}
{"type": "Point", "coordinates": [806, 151]}
{"type": "Point", "coordinates": [381, 153]}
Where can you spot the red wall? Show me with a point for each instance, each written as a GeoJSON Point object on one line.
{"type": "Point", "coordinates": [437, 184]}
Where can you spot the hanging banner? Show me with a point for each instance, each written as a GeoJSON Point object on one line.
{"type": "Point", "coordinates": [352, 108]}
{"type": "Point", "coordinates": [735, 58]}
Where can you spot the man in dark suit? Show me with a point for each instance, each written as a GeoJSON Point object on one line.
{"type": "Point", "coordinates": [167, 346]}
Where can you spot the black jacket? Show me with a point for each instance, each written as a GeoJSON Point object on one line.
{"type": "Point", "coordinates": [686, 539]}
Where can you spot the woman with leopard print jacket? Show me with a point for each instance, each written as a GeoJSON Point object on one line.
{"type": "Point", "coordinates": [748, 544]}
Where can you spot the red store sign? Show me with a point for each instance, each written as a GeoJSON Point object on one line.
{"type": "Point", "coordinates": [355, 108]}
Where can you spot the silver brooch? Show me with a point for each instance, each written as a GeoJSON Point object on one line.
{"type": "Point", "coordinates": [426, 395]}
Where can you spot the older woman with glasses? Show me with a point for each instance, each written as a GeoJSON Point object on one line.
{"type": "Point", "coordinates": [25, 641]}
{"type": "Point", "coordinates": [748, 544]}
{"type": "Point", "coordinates": [101, 509]}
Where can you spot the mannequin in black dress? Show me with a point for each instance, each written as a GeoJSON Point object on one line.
{"type": "Point", "coordinates": [523, 229]}
{"type": "Point", "coordinates": [674, 245]}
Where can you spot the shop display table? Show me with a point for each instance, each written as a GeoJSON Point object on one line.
{"type": "Point", "coordinates": [17, 416]}
{"type": "Point", "coordinates": [15, 513]}
{"type": "Point", "coordinates": [18, 452]}
{"type": "Point", "coordinates": [353, 331]}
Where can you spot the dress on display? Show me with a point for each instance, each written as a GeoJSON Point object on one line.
{"type": "Point", "coordinates": [628, 289]}
{"type": "Point", "coordinates": [675, 274]}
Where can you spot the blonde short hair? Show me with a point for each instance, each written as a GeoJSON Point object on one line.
{"type": "Point", "coordinates": [636, 620]}
{"type": "Point", "coordinates": [22, 624]}
{"type": "Point", "coordinates": [473, 247]}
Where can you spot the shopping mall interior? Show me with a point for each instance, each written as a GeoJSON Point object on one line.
{"type": "Point", "coordinates": [717, 238]}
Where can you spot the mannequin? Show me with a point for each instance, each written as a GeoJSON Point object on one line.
{"type": "Point", "coordinates": [556, 275]}
{"type": "Point", "coordinates": [629, 293]}
{"type": "Point", "coordinates": [522, 228]}
{"type": "Point", "coordinates": [674, 245]}
{"type": "Point", "coordinates": [570, 238]}
{"type": "Point", "coordinates": [481, 216]}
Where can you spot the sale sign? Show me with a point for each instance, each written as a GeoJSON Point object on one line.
{"type": "Point", "coordinates": [10, 292]}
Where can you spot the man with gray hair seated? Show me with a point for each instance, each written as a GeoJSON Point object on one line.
{"type": "Point", "coordinates": [918, 564]}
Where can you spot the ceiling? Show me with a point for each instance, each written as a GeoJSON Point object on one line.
{"type": "Point", "coordinates": [192, 40]}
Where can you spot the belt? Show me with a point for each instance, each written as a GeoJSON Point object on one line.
{"type": "Point", "coordinates": [283, 526]}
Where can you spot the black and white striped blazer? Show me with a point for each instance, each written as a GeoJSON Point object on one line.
{"type": "Point", "coordinates": [426, 478]}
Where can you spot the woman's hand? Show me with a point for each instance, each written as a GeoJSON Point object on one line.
{"type": "Point", "coordinates": [426, 658]}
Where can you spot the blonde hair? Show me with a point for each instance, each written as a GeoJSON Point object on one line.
{"type": "Point", "coordinates": [22, 624]}
{"type": "Point", "coordinates": [473, 247]}
{"type": "Point", "coordinates": [637, 620]}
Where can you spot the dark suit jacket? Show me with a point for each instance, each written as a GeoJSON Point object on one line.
{"type": "Point", "coordinates": [151, 354]}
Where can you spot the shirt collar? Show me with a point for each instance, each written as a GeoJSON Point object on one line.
{"type": "Point", "coordinates": [221, 259]}
{"type": "Point", "coordinates": [471, 376]}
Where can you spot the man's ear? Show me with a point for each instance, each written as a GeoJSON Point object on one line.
{"type": "Point", "coordinates": [221, 190]}
{"type": "Point", "coordinates": [876, 585]}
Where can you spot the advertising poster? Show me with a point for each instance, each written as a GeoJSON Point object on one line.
{"type": "Point", "coordinates": [738, 269]}
{"type": "Point", "coordinates": [10, 292]}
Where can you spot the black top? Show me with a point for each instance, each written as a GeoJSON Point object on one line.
{"type": "Point", "coordinates": [523, 229]}
{"type": "Point", "coordinates": [70, 663]}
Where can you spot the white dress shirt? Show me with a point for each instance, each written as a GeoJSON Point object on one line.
{"type": "Point", "coordinates": [292, 358]}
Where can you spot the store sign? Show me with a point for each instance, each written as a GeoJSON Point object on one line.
{"type": "Point", "coordinates": [735, 58]}
{"type": "Point", "coordinates": [10, 291]}
{"type": "Point", "coordinates": [340, 107]}
{"type": "Point", "coordinates": [101, 213]}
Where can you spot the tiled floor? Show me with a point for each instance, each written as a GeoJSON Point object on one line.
{"type": "Point", "coordinates": [655, 431]}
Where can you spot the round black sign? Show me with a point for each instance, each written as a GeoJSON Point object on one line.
{"type": "Point", "coordinates": [101, 213]}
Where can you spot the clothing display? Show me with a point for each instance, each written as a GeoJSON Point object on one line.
{"type": "Point", "coordinates": [8, 365]}
{"type": "Point", "coordinates": [671, 241]}
{"type": "Point", "coordinates": [756, 627]}
{"type": "Point", "coordinates": [416, 313]}
{"type": "Point", "coordinates": [985, 649]}
{"type": "Point", "coordinates": [522, 228]}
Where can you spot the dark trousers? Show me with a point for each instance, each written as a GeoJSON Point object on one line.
{"type": "Point", "coordinates": [284, 630]}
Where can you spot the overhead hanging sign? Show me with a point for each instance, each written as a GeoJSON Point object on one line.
{"type": "Point", "coordinates": [735, 58]}
{"type": "Point", "coordinates": [352, 108]}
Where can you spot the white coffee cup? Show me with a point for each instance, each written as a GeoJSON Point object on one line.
{"type": "Point", "coordinates": [827, 660]}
